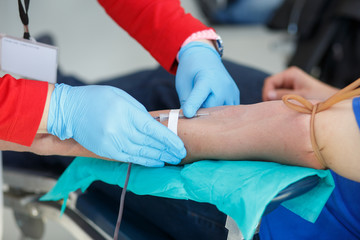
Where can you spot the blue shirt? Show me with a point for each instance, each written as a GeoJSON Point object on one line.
{"type": "Point", "coordinates": [340, 218]}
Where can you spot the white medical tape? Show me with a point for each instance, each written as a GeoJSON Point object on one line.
{"type": "Point", "coordinates": [173, 120]}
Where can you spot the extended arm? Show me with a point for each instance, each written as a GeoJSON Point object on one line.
{"type": "Point", "coordinates": [251, 132]}
{"type": "Point", "coordinates": [267, 131]}
{"type": "Point", "coordinates": [229, 132]}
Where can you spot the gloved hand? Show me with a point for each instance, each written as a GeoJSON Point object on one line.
{"type": "Point", "coordinates": [112, 124]}
{"type": "Point", "coordinates": [202, 80]}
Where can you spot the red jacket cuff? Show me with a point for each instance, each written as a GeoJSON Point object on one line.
{"type": "Point", "coordinates": [21, 105]}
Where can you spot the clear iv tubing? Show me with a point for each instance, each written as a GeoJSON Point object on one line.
{"type": "Point", "coordinates": [122, 200]}
{"type": "Point", "coordinates": [164, 116]}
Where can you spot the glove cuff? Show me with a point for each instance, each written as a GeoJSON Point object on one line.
{"type": "Point", "coordinates": [57, 124]}
{"type": "Point", "coordinates": [197, 45]}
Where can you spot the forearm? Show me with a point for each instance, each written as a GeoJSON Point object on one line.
{"type": "Point", "coordinates": [46, 144]}
{"type": "Point", "coordinates": [267, 131]}
{"type": "Point", "coordinates": [271, 131]}
{"type": "Point", "coordinates": [262, 131]}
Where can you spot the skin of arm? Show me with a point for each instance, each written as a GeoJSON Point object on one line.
{"type": "Point", "coordinates": [267, 131]}
{"type": "Point", "coordinates": [229, 132]}
{"type": "Point", "coordinates": [44, 119]}
{"type": "Point", "coordinates": [47, 144]}
{"type": "Point", "coordinates": [270, 131]}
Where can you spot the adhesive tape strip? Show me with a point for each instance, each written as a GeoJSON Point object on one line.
{"type": "Point", "coordinates": [173, 120]}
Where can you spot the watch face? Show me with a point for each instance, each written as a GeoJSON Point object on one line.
{"type": "Point", "coordinates": [220, 46]}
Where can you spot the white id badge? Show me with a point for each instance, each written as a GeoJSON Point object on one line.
{"type": "Point", "coordinates": [28, 59]}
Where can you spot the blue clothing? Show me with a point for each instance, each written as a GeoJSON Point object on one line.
{"type": "Point", "coordinates": [340, 219]}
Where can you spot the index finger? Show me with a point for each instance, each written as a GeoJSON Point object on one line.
{"type": "Point", "coordinates": [272, 83]}
{"type": "Point", "coordinates": [283, 80]}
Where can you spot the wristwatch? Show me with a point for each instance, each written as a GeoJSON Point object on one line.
{"type": "Point", "coordinates": [208, 34]}
{"type": "Point", "coordinates": [219, 45]}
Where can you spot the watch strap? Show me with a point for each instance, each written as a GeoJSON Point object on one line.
{"type": "Point", "coordinates": [208, 34]}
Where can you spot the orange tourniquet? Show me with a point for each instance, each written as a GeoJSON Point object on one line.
{"type": "Point", "coordinates": [307, 107]}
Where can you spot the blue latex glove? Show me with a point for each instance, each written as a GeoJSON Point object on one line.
{"type": "Point", "coordinates": [202, 80]}
{"type": "Point", "coordinates": [112, 124]}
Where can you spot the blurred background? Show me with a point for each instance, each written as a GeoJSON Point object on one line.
{"type": "Point", "coordinates": [319, 36]}
{"type": "Point", "coordinates": [93, 47]}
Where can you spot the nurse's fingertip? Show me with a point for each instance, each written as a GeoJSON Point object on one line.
{"type": "Point", "coordinates": [178, 150]}
{"type": "Point", "coordinates": [189, 111]}
{"type": "Point", "coordinates": [182, 153]}
{"type": "Point", "coordinates": [173, 161]}
{"type": "Point", "coordinates": [154, 163]}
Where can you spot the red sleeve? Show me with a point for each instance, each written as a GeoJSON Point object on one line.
{"type": "Point", "coordinates": [160, 26]}
{"type": "Point", "coordinates": [22, 104]}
